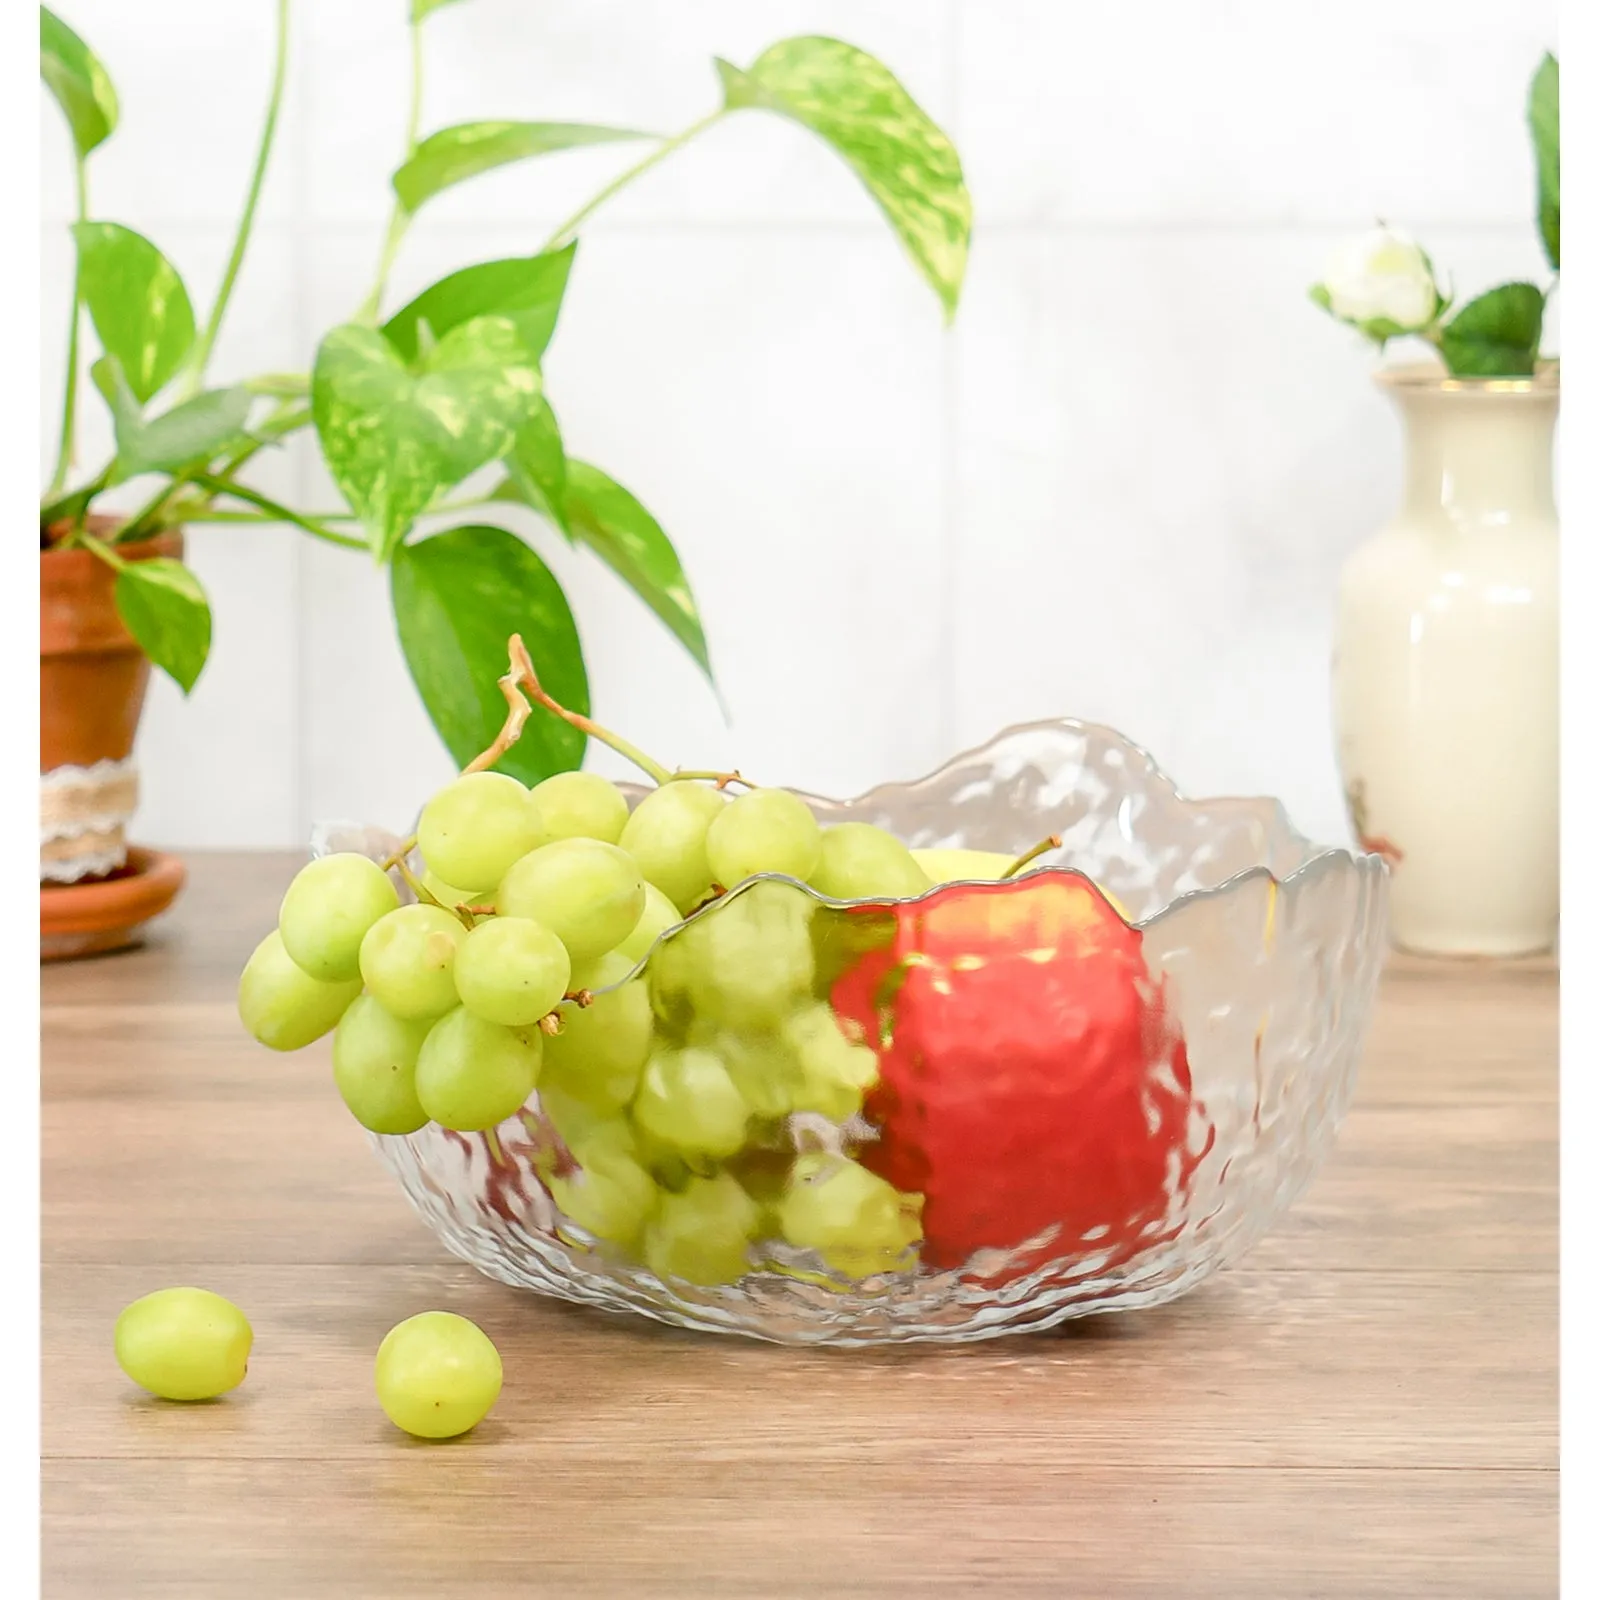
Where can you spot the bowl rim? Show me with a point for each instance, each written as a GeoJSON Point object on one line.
{"type": "Point", "coordinates": [1318, 859]}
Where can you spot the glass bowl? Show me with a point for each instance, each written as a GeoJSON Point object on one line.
{"type": "Point", "coordinates": [1096, 1083]}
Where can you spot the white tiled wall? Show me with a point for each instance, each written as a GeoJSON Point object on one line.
{"type": "Point", "coordinates": [1120, 487]}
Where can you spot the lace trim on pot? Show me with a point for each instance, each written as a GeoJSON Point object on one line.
{"type": "Point", "coordinates": [76, 801]}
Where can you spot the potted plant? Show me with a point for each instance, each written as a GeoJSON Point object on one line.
{"type": "Point", "coordinates": [407, 404]}
{"type": "Point", "coordinates": [1446, 660]}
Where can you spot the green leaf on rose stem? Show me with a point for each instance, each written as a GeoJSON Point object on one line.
{"type": "Point", "coordinates": [140, 307]}
{"type": "Point", "coordinates": [453, 155]}
{"type": "Point", "coordinates": [81, 86]}
{"type": "Point", "coordinates": [1496, 335]}
{"type": "Point", "coordinates": [1320, 296]}
{"type": "Point", "coordinates": [525, 289]}
{"type": "Point", "coordinates": [858, 106]}
{"type": "Point", "coordinates": [396, 437]}
{"type": "Point", "coordinates": [458, 597]}
{"type": "Point", "coordinates": [196, 429]}
{"type": "Point", "coordinates": [165, 609]}
{"type": "Point", "coordinates": [1544, 122]}
{"type": "Point", "coordinates": [607, 518]}
{"type": "Point", "coordinates": [421, 8]}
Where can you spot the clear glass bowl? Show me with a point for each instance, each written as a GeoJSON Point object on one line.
{"type": "Point", "coordinates": [1096, 1114]}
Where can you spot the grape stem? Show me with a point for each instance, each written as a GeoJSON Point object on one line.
{"type": "Point", "coordinates": [1052, 843]}
{"type": "Point", "coordinates": [397, 856]}
{"type": "Point", "coordinates": [521, 684]}
{"type": "Point", "coordinates": [427, 897]}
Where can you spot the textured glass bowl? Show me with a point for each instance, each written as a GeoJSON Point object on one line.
{"type": "Point", "coordinates": [1263, 954]}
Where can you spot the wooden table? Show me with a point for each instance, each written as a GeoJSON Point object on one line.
{"type": "Point", "coordinates": [1365, 1407]}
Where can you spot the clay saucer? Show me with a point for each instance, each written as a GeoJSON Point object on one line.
{"type": "Point", "coordinates": [80, 919]}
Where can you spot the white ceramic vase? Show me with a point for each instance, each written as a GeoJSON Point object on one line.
{"type": "Point", "coordinates": [1446, 681]}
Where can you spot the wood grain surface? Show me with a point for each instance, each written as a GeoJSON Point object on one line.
{"type": "Point", "coordinates": [1367, 1406]}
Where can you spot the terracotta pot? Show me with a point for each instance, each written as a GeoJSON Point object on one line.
{"type": "Point", "coordinates": [92, 680]}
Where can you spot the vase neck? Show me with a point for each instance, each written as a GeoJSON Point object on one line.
{"type": "Point", "coordinates": [1479, 458]}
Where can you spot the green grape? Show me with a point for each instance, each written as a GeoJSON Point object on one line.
{"type": "Point", "coordinates": [473, 829]}
{"type": "Point", "coordinates": [511, 970]}
{"type": "Point", "coordinates": [448, 895]}
{"type": "Point", "coordinates": [834, 1073]}
{"type": "Point", "coordinates": [407, 961]}
{"type": "Point", "coordinates": [666, 835]}
{"type": "Point", "coordinates": [184, 1344]}
{"type": "Point", "coordinates": [861, 862]}
{"type": "Point", "coordinates": [702, 1235]}
{"type": "Point", "coordinates": [375, 1067]}
{"type": "Point", "coordinates": [688, 1102]}
{"type": "Point", "coordinates": [658, 915]}
{"type": "Point", "coordinates": [602, 1046]}
{"type": "Point", "coordinates": [437, 1375]}
{"type": "Point", "coordinates": [588, 894]}
{"type": "Point", "coordinates": [748, 961]}
{"type": "Point", "coordinates": [327, 910]}
{"type": "Point", "coordinates": [280, 1005]}
{"type": "Point", "coordinates": [574, 1118]}
{"type": "Point", "coordinates": [855, 1221]}
{"type": "Point", "coordinates": [581, 805]}
{"type": "Point", "coordinates": [767, 830]}
{"type": "Point", "coordinates": [761, 1065]}
{"type": "Point", "coordinates": [473, 1074]}
{"type": "Point", "coordinates": [610, 1195]}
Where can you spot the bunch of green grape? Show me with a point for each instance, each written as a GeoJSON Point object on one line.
{"type": "Point", "coordinates": [681, 1090]}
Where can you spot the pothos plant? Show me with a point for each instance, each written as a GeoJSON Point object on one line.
{"type": "Point", "coordinates": [1384, 285]}
{"type": "Point", "coordinates": [408, 403]}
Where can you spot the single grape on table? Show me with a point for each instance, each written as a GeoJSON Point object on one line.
{"type": "Point", "coordinates": [437, 1375]}
{"type": "Point", "coordinates": [184, 1344]}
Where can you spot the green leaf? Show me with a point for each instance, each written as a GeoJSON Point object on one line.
{"type": "Point", "coordinates": [607, 518]}
{"type": "Point", "coordinates": [421, 8]}
{"type": "Point", "coordinates": [525, 289]}
{"type": "Point", "coordinates": [1496, 335]}
{"type": "Point", "coordinates": [198, 429]}
{"type": "Point", "coordinates": [458, 597]}
{"type": "Point", "coordinates": [538, 467]}
{"type": "Point", "coordinates": [452, 155]}
{"type": "Point", "coordinates": [81, 86]}
{"type": "Point", "coordinates": [194, 430]}
{"type": "Point", "coordinates": [858, 106]}
{"type": "Point", "coordinates": [138, 302]}
{"type": "Point", "coordinates": [165, 609]}
{"type": "Point", "coordinates": [1544, 122]}
{"type": "Point", "coordinates": [395, 438]}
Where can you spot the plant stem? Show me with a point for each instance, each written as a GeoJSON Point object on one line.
{"type": "Point", "coordinates": [69, 404]}
{"type": "Point", "coordinates": [1052, 843]}
{"type": "Point", "coordinates": [623, 179]}
{"type": "Point", "coordinates": [399, 217]}
{"type": "Point", "coordinates": [202, 349]}
{"type": "Point", "coordinates": [104, 551]}
{"type": "Point", "coordinates": [277, 513]}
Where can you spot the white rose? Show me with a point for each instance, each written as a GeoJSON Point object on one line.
{"type": "Point", "coordinates": [1382, 278]}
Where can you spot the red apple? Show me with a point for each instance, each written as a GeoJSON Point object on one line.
{"type": "Point", "coordinates": [1031, 1081]}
